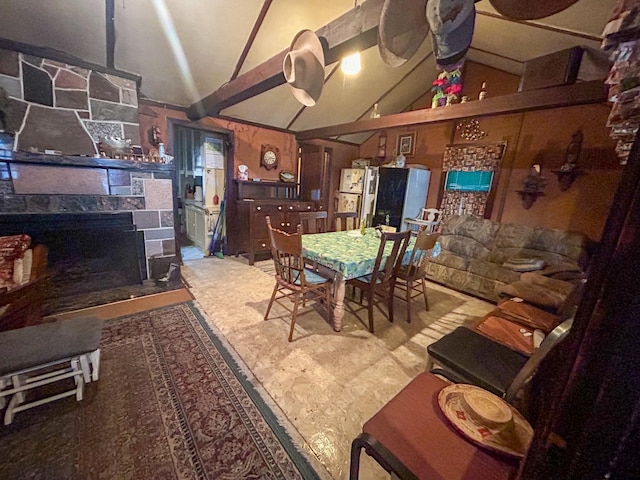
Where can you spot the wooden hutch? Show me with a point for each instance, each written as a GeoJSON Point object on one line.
{"type": "Point", "coordinates": [254, 201]}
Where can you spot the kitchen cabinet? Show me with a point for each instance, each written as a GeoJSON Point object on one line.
{"type": "Point", "coordinates": [197, 223]}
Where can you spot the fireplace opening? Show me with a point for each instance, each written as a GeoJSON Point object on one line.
{"type": "Point", "coordinates": [89, 254]}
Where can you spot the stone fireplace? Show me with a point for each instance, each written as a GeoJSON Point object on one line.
{"type": "Point", "coordinates": [106, 221]}
{"type": "Point", "coordinates": [42, 184]}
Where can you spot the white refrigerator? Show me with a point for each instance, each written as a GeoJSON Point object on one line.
{"type": "Point", "coordinates": [357, 191]}
{"type": "Point", "coordinates": [369, 194]}
{"type": "Point", "coordinates": [350, 189]}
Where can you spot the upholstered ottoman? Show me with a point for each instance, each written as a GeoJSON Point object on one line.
{"type": "Point", "coordinates": [34, 356]}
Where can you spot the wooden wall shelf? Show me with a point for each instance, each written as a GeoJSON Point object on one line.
{"type": "Point", "coordinates": [569, 95]}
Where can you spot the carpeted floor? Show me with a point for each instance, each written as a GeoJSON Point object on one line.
{"type": "Point", "coordinates": [172, 402]}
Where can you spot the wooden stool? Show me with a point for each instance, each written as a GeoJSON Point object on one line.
{"type": "Point", "coordinates": [411, 438]}
{"type": "Point", "coordinates": [29, 357]}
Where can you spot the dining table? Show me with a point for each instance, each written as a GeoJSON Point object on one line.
{"type": "Point", "coordinates": [345, 255]}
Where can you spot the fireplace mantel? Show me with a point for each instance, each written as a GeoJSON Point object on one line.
{"type": "Point", "coordinates": [78, 161]}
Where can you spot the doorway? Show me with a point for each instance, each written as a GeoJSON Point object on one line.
{"type": "Point", "coordinates": [200, 171]}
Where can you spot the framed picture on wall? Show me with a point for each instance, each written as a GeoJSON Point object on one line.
{"type": "Point", "coordinates": [406, 144]}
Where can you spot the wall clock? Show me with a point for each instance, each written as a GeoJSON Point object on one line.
{"type": "Point", "coordinates": [269, 157]}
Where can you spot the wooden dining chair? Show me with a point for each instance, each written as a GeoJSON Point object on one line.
{"type": "Point", "coordinates": [410, 279]}
{"type": "Point", "coordinates": [346, 221]}
{"type": "Point", "coordinates": [380, 283]}
{"type": "Point", "coordinates": [313, 222]}
{"type": "Point", "coordinates": [293, 278]}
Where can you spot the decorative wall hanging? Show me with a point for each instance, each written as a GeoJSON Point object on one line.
{"type": "Point", "coordinates": [533, 186]}
{"type": "Point", "coordinates": [621, 43]}
{"type": "Point", "coordinates": [447, 86]}
{"type": "Point", "coordinates": [468, 172]}
{"type": "Point", "coordinates": [154, 136]}
{"type": "Point", "coordinates": [470, 130]}
{"type": "Point", "coordinates": [569, 170]}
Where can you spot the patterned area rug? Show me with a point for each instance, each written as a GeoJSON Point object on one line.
{"type": "Point", "coordinates": [171, 402]}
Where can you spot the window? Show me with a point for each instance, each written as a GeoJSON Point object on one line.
{"type": "Point", "coordinates": [478, 181]}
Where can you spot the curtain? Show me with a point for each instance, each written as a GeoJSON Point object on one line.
{"type": "Point", "coordinates": [469, 158]}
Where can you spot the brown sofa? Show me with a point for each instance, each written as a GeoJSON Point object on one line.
{"type": "Point", "coordinates": [489, 260]}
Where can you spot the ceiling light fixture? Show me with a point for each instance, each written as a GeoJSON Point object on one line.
{"type": "Point", "coordinates": [351, 65]}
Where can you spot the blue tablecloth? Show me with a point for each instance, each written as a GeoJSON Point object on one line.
{"type": "Point", "coordinates": [349, 253]}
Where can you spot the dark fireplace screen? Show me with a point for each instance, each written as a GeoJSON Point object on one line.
{"type": "Point", "coordinates": [88, 252]}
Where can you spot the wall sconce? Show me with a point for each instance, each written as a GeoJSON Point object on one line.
{"type": "Point", "coordinates": [533, 186]}
{"type": "Point", "coordinates": [569, 170]}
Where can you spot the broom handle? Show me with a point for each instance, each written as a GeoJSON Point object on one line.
{"type": "Point", "coordinates": [218, 226]}
{"type": "Point", "coordinates": [216, 229]}
{"type": "Point", "coordinates": [222, 208]}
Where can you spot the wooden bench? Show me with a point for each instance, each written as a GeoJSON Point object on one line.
{"type": "Point", "coordinates": [35, 356]}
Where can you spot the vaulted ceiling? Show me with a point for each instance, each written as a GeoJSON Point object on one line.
{"type": "Point", "coordinates": [186, 49]}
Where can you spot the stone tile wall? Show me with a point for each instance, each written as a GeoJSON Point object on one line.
{"type": "Point", "coordinates": [49, 105]}
{"type": "Point", "coordinates": [65, 108]}
{"type": "Point", "coordinates": [148, 194]}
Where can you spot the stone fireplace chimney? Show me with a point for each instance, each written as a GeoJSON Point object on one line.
{"type": "Point", "coordinates": [53, 112]}
{"type": "Point", "coordinates": [65, 108]}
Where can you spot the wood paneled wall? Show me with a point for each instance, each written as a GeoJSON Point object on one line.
{"type": "Point", "coordinates": [248, 140]}
{"type": "Point", "coordinates": [544, 136]}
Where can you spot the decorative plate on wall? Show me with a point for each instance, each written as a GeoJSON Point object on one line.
{"type": "Point", "coordinates": [287, 176]}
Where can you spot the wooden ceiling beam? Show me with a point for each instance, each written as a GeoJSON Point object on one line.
{"type": "Point", "coordinates": [251, 39]}
{"type": "Point", "coordinates": [555, 97]}
{"type": "Point", "coordinates": [354, 31]}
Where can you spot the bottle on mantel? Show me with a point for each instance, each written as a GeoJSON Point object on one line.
{"type": "Point", "coordinates": [483, 91]}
